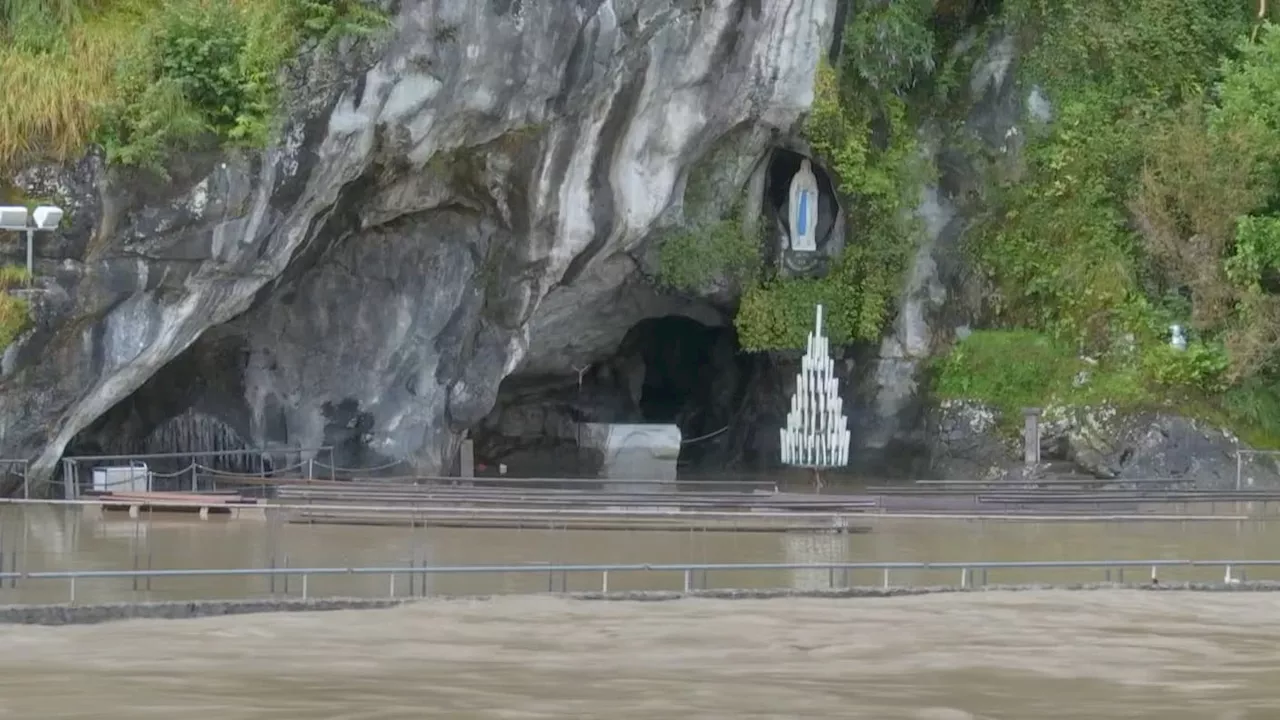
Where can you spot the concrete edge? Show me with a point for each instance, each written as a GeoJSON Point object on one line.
{"type": "Point", "coordinates": [66, 614]}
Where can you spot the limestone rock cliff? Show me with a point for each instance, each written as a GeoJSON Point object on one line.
{"type": "Point", "coordinates": [468, 197]}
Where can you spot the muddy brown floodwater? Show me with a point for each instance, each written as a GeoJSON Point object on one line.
{"type": "Point", "coordinates": [1006, 655]}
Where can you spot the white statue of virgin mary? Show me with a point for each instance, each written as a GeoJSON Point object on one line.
{"type": "Point", "coordinates": [803, 209]}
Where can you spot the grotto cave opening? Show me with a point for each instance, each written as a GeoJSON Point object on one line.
{"type": "Point", "coordinates": [191, 410]}
{"type": "Point", "coordinates": [666, 370]}
{"type": "Point", "coordinates": [783, 166]}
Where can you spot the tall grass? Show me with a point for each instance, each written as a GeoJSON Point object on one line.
{"type": "Point", "coordinates": [16, 15]}
{"type": "Point", "coordinates": [13, 276]}
{"type": "Point", "coordinates": [49, 92]}
{"type": "Point", "coordinates": [139, 76]}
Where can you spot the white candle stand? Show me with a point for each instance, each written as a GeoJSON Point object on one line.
{"type": "Point", "coordinates": [817, 434]}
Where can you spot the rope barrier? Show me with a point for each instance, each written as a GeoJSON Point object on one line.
{"type": "Point", "coordinates": [708, 436]}
{"type": "Point", "coordinates": [227, 473]}
{"type": "Point", "coordinates": [175, 474]}
{"type": "Point", "coordinates": [338, 468]}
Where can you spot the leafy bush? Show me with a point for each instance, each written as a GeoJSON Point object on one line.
{"type": "Point", "coordinates": [328, 20]}
{"type": "Point", "coordinates": [778, 313]}
{"type": "Point", "coordinates": [207, 69]}
{"type": "Point", "coordinates": [890, 46]}
{"type": "Point", "coordinates": [692, 259]}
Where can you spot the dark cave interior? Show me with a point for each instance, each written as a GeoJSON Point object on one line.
{"type": "Point", "coordinates": [192, 409]}
{"type": "Point", "coordinates": [670, 369]}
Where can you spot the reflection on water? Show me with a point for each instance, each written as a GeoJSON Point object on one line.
{"type": "Point", "coordinates": [1044, 655]}
{"type": "Point", "coordinates": [59, 537]}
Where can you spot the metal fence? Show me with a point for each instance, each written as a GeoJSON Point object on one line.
{"type": "Point", "coordinates": [696, 575]}
{"type": "Point", "coordinates": [189, 471]}
{"type": "Point", "coordinates": [1251, 463]}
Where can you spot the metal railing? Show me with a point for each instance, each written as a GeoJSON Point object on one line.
{"type": "Point", "coordinates": [1243, 453]}
{"type": "Point", "coordinates": [972, 574]}
{"type": "Point", "coordinates": [171, 467]}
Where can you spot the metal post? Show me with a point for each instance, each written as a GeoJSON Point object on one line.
{"type": "Point", "coordinates": [70, 479]}
{"type": "Point", "coordinates": [137, 526]}
{"type": "Point", "coordinates": [286, 575]}
{"type": "Point", "coordinates": [73, 590]}
{"type": "Point", "coordinates": [886, 577]}
{"type": "Point", "coordinates": [304, 586]}
{"type": "Point", "coordinates": [1031, 436]}
{"type": "Point", "coordinates": [688, 580]}
{"type": "Point", "coordinates": [467, 461]}
{"type": "Point", "coordinates": [604, 581]}
{"type": "Point", "coordinates": [392, 589]}
{"type": "Point", "coordinates": [31, 263]}
{"type": "Point", "coordinates": [1239, 468]}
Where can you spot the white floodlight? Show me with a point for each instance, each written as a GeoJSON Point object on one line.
{"type": "Point", "coordinates": [13, 218]}
{"type": "Point", "coordinates": [47, 217]}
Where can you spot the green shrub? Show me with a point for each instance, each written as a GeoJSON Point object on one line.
{"type": "Point", "coordinates": [329, 20]}
{"type": "Point", "coordinates": [15, 313]}
{"type": "Point", "coordinates": [1007, 370]}
{"type": "Point", "coordinates": [691, 259]}
{"type": "Point", "coordinates": [778, 314]}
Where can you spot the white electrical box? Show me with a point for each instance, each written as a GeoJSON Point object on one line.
{"type": "Point", "coordinates": [135, 477]}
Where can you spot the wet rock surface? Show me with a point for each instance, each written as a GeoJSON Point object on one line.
{"type": "Point", "coordinates": [968, 442]}
{"type": "Point", "coordinates": [425, 227]}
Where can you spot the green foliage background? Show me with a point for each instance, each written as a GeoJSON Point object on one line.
{"type": "Point", "coordinates": [1149, 199]}
{"type": "Point", "coordinates": [1152, 197]}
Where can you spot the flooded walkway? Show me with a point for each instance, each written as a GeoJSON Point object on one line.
{"type": "Point", "coordinates": [35, 538]}
{"type": "Point", "coordinates": [1040, 655]}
